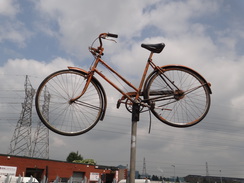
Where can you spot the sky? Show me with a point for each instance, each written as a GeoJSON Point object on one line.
{"type": "Point", "coordinates": [43, 36]}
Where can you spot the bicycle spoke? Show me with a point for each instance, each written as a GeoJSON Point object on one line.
{"type": "Point", "coordinates": [193, 89]}
{"type": "Point", "coordinates": [87, 105]}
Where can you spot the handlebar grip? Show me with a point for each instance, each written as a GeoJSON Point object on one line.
{"type": "Point", "coordinates": [112, 35]}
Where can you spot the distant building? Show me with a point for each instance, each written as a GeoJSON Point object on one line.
{"type": "Point", "coordinates": [212, 179]}
{"type": "Point", "coordinates": [39, 168]}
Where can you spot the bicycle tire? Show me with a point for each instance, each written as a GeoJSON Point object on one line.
{"type": "Point", "coordinates": [55, 110]}
{"type": "Point", "coordinates": [182, 107]}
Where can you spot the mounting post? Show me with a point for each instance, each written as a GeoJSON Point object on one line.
{"type": "Point", "coordinates": [135, 119]}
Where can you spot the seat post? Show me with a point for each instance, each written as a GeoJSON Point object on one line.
{"type": "Point", "coordinates": [150, 57]}
{"type": "Point", "coordinates": [149, 62]}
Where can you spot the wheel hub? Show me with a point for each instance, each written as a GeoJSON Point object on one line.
{"type": "Point", "coordinates": [179, 94]}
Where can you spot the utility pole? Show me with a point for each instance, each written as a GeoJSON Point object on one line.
{"type": "Point", "coordinates": [207, 173]}
{"type": "Point", "coordinates": [174, 173]}
{"type": "Point", "coordinates": [220, 176]}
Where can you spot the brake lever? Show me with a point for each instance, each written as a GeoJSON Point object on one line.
{"type": "Point", "coordinates": [112, 40]}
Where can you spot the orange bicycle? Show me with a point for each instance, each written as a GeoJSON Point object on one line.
{"type": "Point", "coordinates": [72, 101]}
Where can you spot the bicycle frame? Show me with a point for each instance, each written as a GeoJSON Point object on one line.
{"type": "Point", "coordinates": [137, 91]}
{"type": "Point", "coordinates": [98, 52]}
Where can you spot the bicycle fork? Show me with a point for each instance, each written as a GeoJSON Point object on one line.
{"type": "Point", "coordinates": [88, 80]}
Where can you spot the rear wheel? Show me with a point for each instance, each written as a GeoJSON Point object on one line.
{"type": "Point", "coordinates": [178, 96]}
{"type": "Point", "coordinates": [59, 113]}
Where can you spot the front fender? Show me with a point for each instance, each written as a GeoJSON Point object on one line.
{"type": "Point", "coordinates": [78, 69]}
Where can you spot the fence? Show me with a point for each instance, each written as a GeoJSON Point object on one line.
{"type": "Point", "coordinates": [19, 179]}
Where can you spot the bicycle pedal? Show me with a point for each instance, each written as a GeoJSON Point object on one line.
{"type": "Point", "coordinates": [118, 103]}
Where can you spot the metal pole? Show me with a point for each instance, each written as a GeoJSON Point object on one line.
{"type": "Point", "coordinates": [133, 152]}
{"type": "Point", "coordinates": [135, 119]}
{"type": "Point", "coordinates": [220, 176]}
{"type": "Point", "coordinates": [174, 173]}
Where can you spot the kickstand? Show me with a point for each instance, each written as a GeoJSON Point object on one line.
{"type": "Point", "coordinates": [150, 122]}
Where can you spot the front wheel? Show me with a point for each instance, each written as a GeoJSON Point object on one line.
{"type": "Point", "coordinates": [178, 96]}
{"type": "Point", "coordinates": [62, 115]}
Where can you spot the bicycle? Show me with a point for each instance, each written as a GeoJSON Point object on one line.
{"type": "Point", "coordinates": [72, 101]}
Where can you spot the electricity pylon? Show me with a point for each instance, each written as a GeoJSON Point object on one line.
{"type": "Point", "coordinates": [144, 171]}
{"type": "Point", "coordinates": [21, 140]}
{"type": "Point", "coordinates": [41, 138]}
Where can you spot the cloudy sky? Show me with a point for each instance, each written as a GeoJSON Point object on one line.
{"type": "Point", "coordinates": [42, 36]}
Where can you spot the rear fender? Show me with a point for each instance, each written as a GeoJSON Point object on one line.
{"type": "Point", "coordinates": [178, 66]}
{"type": "Point", "coordinates": [100, 87]}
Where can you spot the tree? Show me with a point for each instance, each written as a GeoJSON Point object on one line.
{"type": "Point", "coordinates": [155, 178]}
{"type": "Point", "coordinates": [74, 156]}
{"type": "Point", "coordinates": [86, 161]}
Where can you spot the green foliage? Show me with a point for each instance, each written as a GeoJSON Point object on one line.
{"type": "Point", "coordinates": [86, 161]}
{"type": "Point", "coordinates": [74, 156]}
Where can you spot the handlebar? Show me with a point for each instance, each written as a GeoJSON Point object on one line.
{"type": "Point", "coordinates": [112, 35]}
{"type": "Point", "coordinates": [99, 50]}
{"type": "Point", "coordinates": [104, 35]}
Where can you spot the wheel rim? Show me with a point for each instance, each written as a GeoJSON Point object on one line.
{"type": "Point", "coordinates": [182, 107]}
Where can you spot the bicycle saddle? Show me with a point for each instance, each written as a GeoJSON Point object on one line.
{"type": "Point", "coordinates": [155, 48]}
